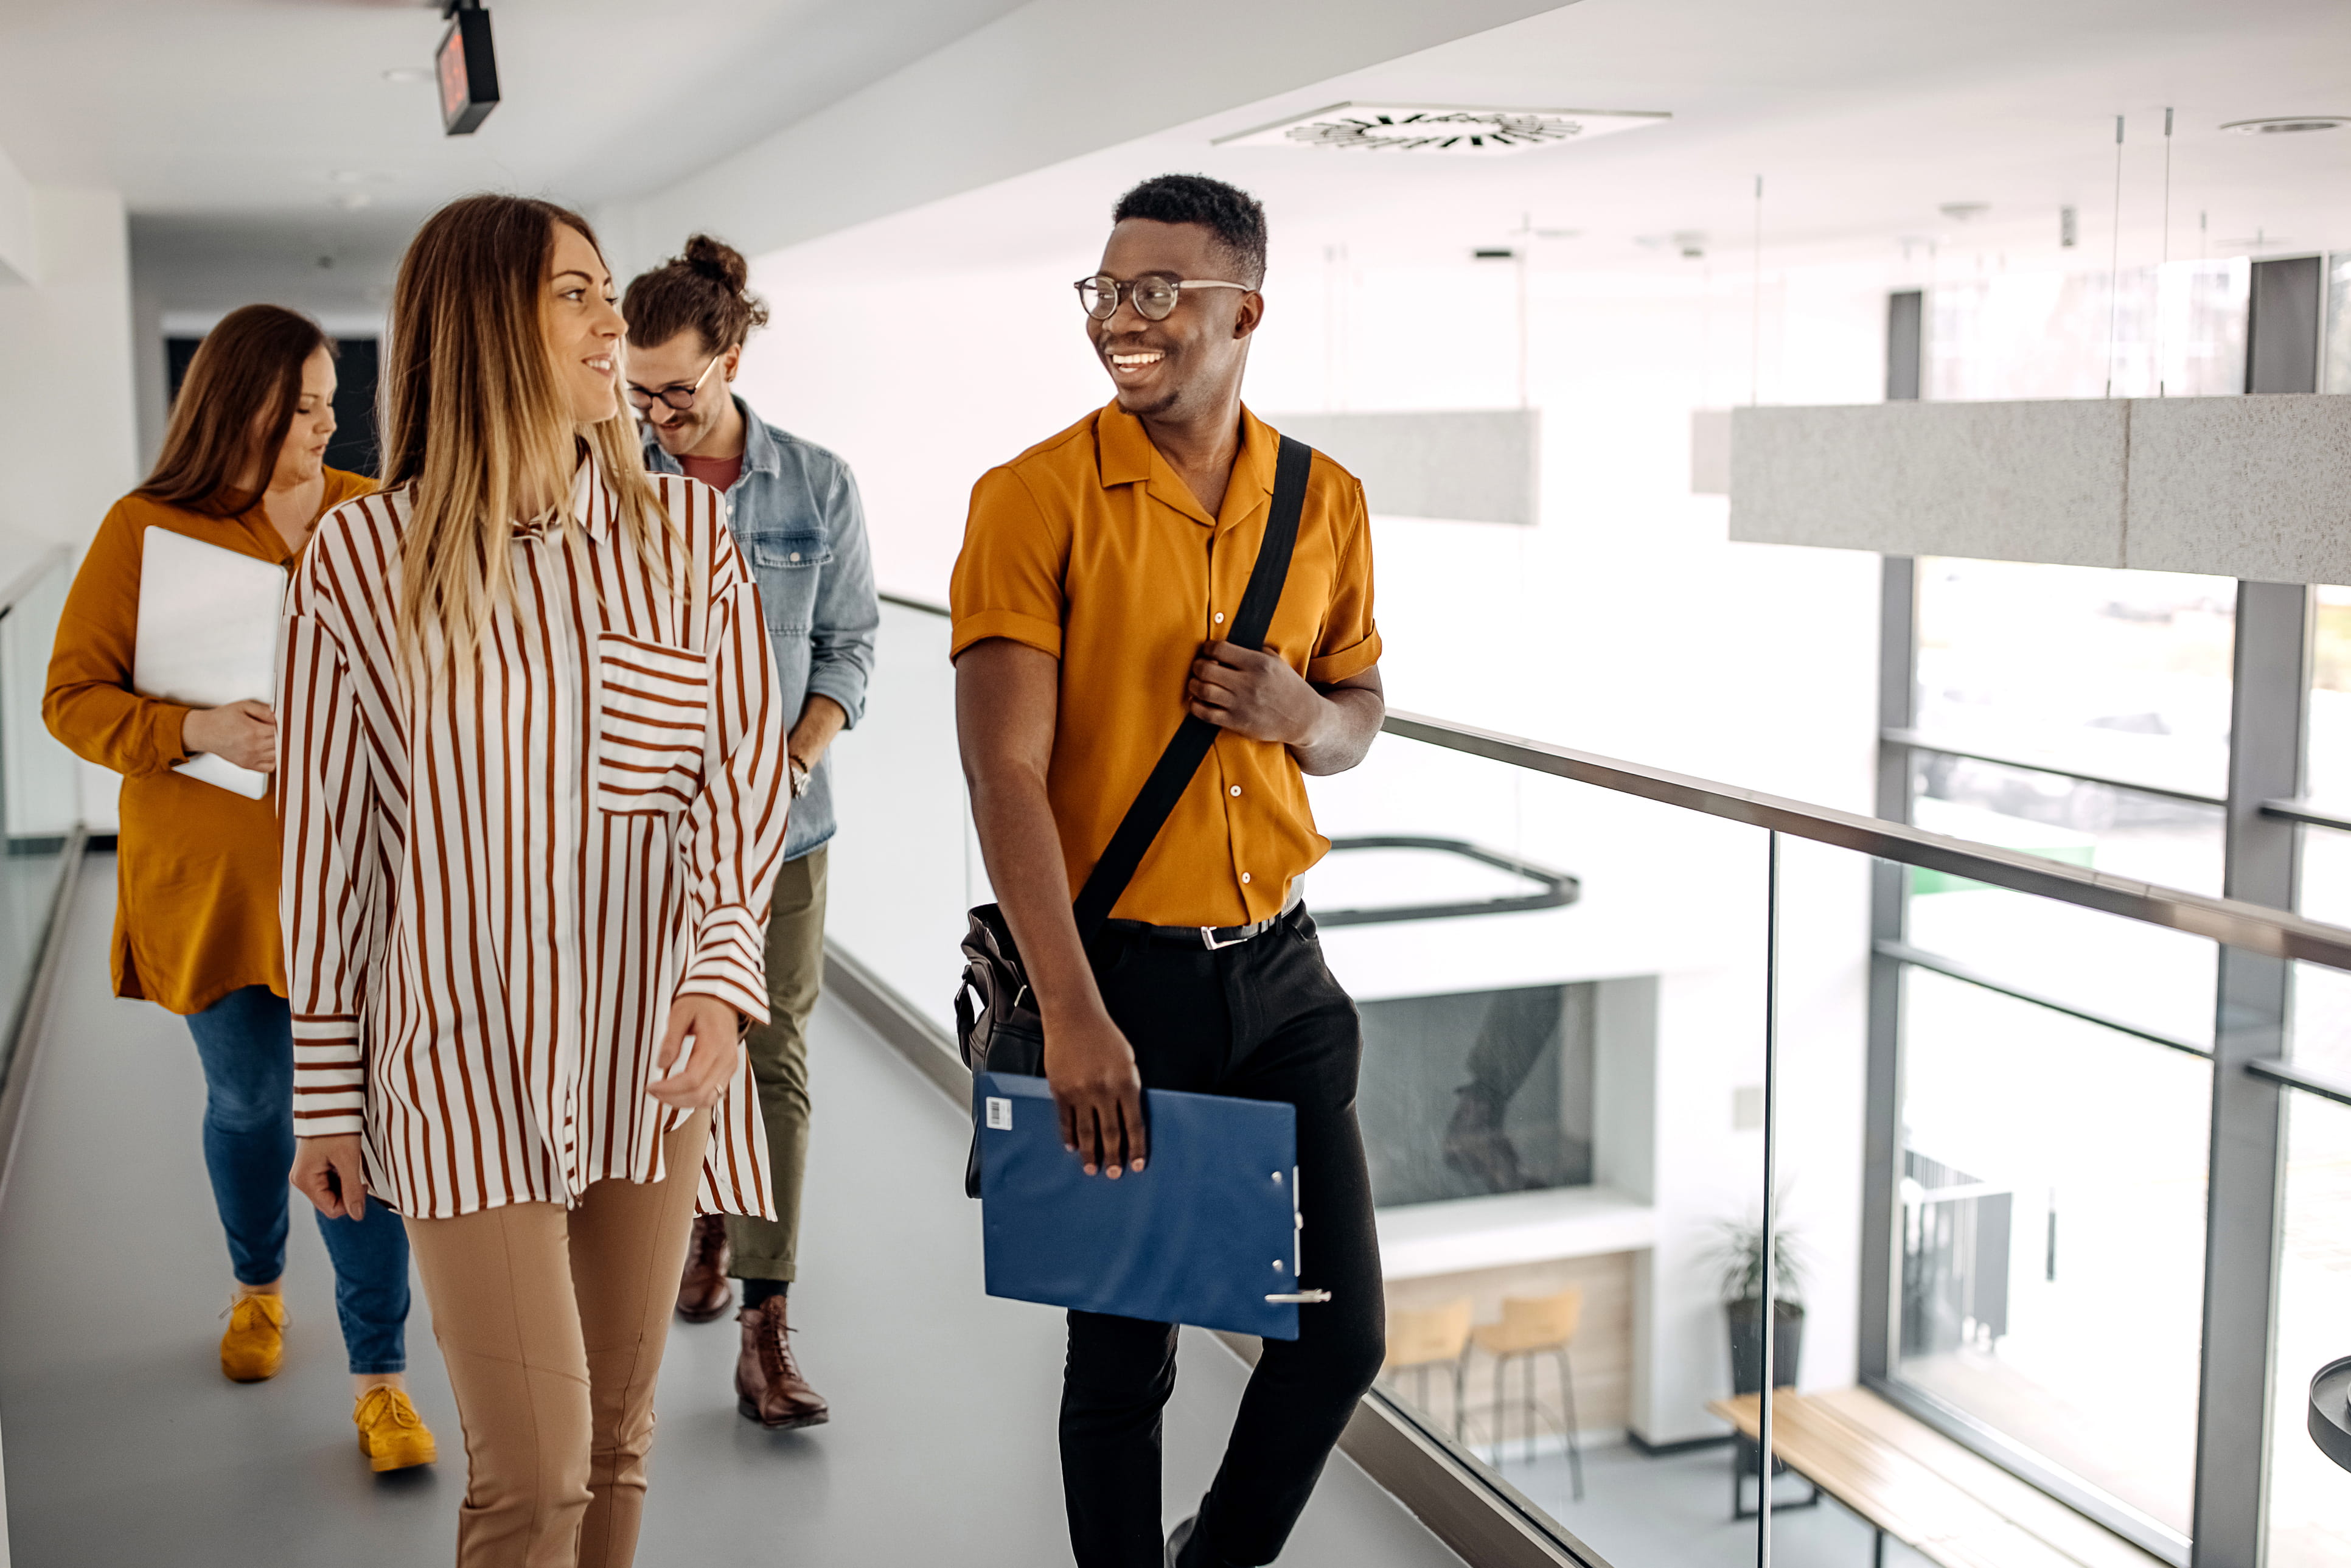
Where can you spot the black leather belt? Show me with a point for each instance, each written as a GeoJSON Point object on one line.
{"type": "Point", "coordinates": [1209, 936]}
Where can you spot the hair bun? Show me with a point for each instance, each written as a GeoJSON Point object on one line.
{"type": "Point", "coordinates": [719, 261]}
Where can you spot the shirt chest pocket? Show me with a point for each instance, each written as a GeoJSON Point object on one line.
{"type": "Point", "coordinates": [786, 564]}
{"type": "Point", "coordinates": [651, 703]}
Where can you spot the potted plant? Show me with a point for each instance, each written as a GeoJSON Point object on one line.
{"type": "Point", "coordinates": [1739, 1255]}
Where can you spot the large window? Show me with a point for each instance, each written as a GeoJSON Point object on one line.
{"type": "Point", "coordinates": [2053, 1236]}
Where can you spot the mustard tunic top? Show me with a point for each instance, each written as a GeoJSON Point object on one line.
{"type": "Point", "coordinates": [195, 914]}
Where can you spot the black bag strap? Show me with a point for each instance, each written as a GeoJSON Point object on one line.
{"type": "Point", "coordinates": [1172, 772]}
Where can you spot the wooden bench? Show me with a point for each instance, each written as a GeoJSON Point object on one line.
{"type": "Point", "coordinates": [1944, 1501]}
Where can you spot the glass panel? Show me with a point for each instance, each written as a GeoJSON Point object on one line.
{"type": "Point", "coordinates": [1564, 1113]}
{"type": "Point", "coordinates": [2053, 1262]}
{"type": "Point", "coordinates": [2335, 372]}
{"type": "Point", "coordinates": [39, 784]}
{"type": "Point", "coordinates": [904, 866]}
{"type": "Point", "coordinates": [2310, 1498]}
{"type": "Point", "coordinates": [2124, 674]}
{"type": "Point", "coordinates": [2327, 774]}
{"type": "Point", "coordinates": [2176, 330]}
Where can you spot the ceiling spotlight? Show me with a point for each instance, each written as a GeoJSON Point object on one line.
{"type": "Point", "coordinates": [2288, 125]}
{"type": "Point", "coordinates": [408, 74]}
{"type": "Point", "coordinates": [1963, 212]}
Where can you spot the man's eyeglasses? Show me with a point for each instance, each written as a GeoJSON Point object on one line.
{"type": "Point", "coordinates": [676, 397]}
{"type": "Point", "coordinates": [1153, 298]}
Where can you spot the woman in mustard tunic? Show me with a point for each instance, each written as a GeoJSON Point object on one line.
{"type": "Point", "coordinates": [195, 926]}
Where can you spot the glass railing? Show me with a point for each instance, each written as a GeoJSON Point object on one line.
{"type": "Point", "coordinates": [1607, 1010]}
{"type": "Point", "coordinates": [39, 783]}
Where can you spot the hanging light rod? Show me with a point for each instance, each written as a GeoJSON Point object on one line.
{"type": "Point", "coordinates": [467, 68]}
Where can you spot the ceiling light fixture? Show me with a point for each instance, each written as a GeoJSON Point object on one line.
{"type": "Point", "coordinates": [408, 74]}
{"type": "Point", "coordinates": [2288, 124]}
{"type": "Point", "coordinates": [1964, 211]}
{"type": "Point", "coordinates": [1439, 127]}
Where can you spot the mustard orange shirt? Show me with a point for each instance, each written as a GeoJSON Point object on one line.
{"type": "Point", "coordinates": [195, 914]}
{"type": "Point", "coordinates": [1089, 547]}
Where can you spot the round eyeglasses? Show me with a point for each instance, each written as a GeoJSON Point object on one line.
{"type": "Point", "coordinates": [1153, 298]}
{"type": "Point", "coordinates": [677, 397]}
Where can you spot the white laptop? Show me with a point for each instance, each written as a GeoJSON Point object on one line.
{"type": "Point", "coordinates": [208, 635]}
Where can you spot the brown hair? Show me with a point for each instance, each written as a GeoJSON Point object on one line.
{"type": "Point", "coordinates": [708, 289]}
{"type": "Point", "coordinates": [474, 419]}
{"type": "Point", "coordinates": [233, 410]}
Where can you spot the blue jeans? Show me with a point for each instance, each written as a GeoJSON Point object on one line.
{"type": "Point", "coordinates": [246, 1041]}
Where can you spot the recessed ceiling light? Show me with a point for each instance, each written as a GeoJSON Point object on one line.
{"type": "Point", "coordinates": [352, 201]}
{"type": "Point", "coordinates": [1962, 211]}
{"type": "Point", "coordinates": [2288, 125]}
{"type": "Point", "coordinates": [1439, 127]}
{"type": "Point", "coordinates": [408, 74]}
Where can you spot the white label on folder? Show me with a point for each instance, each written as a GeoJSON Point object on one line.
{"type": "Point", "coordinates": [1000, 1113]}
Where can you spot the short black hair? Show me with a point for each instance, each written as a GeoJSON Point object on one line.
{"type": "Point", "coordinates": [1231, 214]}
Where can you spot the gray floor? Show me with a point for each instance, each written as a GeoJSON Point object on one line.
{"type": "Point", "coordinates": [1674, 1511]}
{"type": "Point", "coordinates": [125, 1446]}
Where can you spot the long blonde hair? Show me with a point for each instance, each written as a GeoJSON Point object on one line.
{"type": "Point", "coordinates": [474, 419]}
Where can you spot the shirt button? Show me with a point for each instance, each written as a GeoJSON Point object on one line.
{"type": "Point", "coordinates": [1220, 617]}
{"type": "Point", "coordinates": [1237, 788]}
{"type": "Point", "coordinates": [1244, 879]}
{"type": "Point", "coordinates": [796, 555]}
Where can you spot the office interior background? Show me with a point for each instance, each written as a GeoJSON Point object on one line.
{"type": "Point", "coordinates": [1927, 414]}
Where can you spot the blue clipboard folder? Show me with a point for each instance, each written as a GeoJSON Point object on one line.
{"type": "Point", "coordinates": [1207, 1234]}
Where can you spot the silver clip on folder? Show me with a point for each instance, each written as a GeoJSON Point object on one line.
{"type": "Point", "coordinates": [1298, 1250]}
{"type": "Point", "coordinates": [207, 636]}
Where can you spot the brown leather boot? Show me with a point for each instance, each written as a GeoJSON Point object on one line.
{"type": "Point", "coordinates": [703, 1293]}
{"type": "Point", "coordinates": [768, 1387]}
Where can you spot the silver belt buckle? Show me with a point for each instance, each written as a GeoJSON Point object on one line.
{"type": "Point", "coordinates": [1208, 938]}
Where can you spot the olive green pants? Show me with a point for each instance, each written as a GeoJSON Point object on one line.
{"type": "Point", "coordinates": [768, 1248]}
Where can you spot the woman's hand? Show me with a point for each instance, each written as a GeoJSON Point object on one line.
{"type": "Point", "coordinates": [245, 733]}
{"type": "Point", "coordinates": [716, 1030]}
{"type": "Point", "coordinates": [329, 1172]}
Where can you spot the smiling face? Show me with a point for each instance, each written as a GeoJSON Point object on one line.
{"type": "Point", "coordinates": [1190, 364]}
{"type": "Point", "coordinates": [584, 329]}
{"type": "Point", "coordinates": [677, 365]}
{"type": "Point", "coordinates": [303, 451]}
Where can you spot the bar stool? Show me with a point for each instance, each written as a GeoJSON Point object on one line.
{"type": "Point", "coordinates": [1418, 1341]}
{"type": "Point", "coordinates": [1532, 1327]}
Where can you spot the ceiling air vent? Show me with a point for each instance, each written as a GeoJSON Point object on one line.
{"type": "Point", "coordinates": [1439, 127]}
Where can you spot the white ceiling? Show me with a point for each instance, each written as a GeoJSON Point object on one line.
{"type": "Point", "coordinates": [1864, 116]}
{"type": "Point", "coordinates": [224, 123]}
{"type": "Point", "coordinates": [244, 108]}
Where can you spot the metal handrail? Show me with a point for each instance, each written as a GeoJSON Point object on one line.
{"type": "Point", "coordinates": [2250, 927]}
{"type": "Point", "coordinates": [39, 566]}
{"type": "Point", "coordinates": [1919, 740]}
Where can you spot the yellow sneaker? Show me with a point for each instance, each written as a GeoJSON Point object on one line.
{"type": "Point", "coordinates": [254, 1348]}
{"type": "Point", "coordinates": [392, 1434]}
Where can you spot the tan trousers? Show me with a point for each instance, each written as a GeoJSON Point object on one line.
{"type": "Point", "coordinates": [552, 1323]}
{"type": "Point", "coordinates": [769, 1249]}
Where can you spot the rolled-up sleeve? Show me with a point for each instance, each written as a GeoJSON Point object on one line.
{"type": "Point", "coordinates": [1350, 642]}
{"type": "Point", "coordinates": [737, 842]}
{"type": "Point", "coordinates": [841, 638]}
{"type": "Point", "coordinates": [324, 889]}
{"type": "Point", "coordinates": [1008, 577]}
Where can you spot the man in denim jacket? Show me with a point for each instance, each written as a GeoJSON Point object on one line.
{"type": "Point", "coordinates": [795, 513]}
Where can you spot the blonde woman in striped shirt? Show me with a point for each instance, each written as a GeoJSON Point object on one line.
{"type": "Point", "coordinates": [534, 798]}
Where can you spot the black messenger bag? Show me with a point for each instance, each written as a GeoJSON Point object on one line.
{"type": "Point", "coordinates": [998, 1029]}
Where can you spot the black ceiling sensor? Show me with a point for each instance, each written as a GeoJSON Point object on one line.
{"type": "Point", "coordinates": [466, 69]}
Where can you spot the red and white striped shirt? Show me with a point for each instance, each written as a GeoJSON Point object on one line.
{"type": "Point", "coordinates": [492, 895]}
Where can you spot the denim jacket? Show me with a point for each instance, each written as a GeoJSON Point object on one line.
{"type": "Point", "coordinates": [795, 512]}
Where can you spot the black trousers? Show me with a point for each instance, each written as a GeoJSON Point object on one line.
{"type": "Point", "coordinates": [1263, 1021]}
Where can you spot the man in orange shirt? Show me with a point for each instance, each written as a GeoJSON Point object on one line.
{"type": "Point", "coordinates": [1100, 573]}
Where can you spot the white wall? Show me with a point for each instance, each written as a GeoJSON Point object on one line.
{"type": "Point", "coordinates": [67, 425]}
